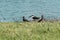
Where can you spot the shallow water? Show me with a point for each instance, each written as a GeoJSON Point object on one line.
{"type": "Point", "coordinates": [12, 9]}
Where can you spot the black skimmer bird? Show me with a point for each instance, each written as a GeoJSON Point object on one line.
{"type": "Point", "coordinates": [24, 19]}
{"type": "Point", "coordinates": [41, 18]}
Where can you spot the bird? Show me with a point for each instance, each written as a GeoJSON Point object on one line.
{"type": "Point", "coordinates": [34, 17]}
{"type": "Point", "coordinates": [41, 18]}
{"type": "Point", "coordinates": [24, 19]}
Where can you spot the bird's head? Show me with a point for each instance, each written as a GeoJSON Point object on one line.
{"type": "Point", "coordinates": [23, 17]}
{"type": "Point", "coordinates": [31, 16]}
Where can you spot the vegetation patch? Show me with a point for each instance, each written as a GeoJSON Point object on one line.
{"type": "Point", "coordinates": [30, 31]}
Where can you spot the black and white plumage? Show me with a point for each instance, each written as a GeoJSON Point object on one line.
{"type": "Point", "coordinates": [24, 19]}
{"type": "Point", "coordinates": [34, 17]}
{"type": "Point", "coordinates": [41, 18]}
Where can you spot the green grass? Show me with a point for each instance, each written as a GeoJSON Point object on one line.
{"type": "Point", "coordinates": [30, 31]}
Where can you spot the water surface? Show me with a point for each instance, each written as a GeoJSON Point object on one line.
{"type": "Point", "coordinates": [12, 9]}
